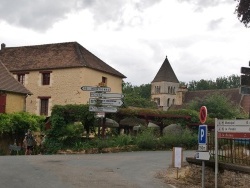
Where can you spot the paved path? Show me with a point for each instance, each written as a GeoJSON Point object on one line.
{"type": "Point", "coordinates": [123, 170]}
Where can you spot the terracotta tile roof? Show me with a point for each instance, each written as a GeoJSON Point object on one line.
{"type": "Point", "coordinates": [9, 83]}
{"type": "Point", "coordinates": [53, 56]}
{"type": "Point", "coordinates": [232, 94]}
{"type": "Point", "coordinates": [166, 73]}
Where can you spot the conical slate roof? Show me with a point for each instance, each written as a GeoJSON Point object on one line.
{"type": "Point", "coordinates": [166, 73]}
{"type": "Point", "coordinates": [9, 83]}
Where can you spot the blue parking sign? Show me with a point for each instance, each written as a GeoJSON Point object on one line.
{"type": "Point", "coordinates": [202, 136]}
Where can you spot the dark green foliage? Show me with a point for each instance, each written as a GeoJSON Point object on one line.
{"type": "Point", "coordinates": [186, 139]}
{"type": "Point", "coordinates": [243, 11]}
{"type": "Point", "coordinates": [232, 81]}
{"type": "Point", "coordinates": [138, 96]}
{"type": "Point", "coordinates": [19, 123]}
{"type": "Point", "coordinates": [67, 125]}
{"type": "Point", "coordinates": [218, 106]}
{"type": "Point", "coordinates": [146, 140]}
{"type": "Point", "coordinates": [123, 140]}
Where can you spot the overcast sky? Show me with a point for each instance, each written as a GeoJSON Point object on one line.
{"type": "Point", "coordinates": [203, 39]}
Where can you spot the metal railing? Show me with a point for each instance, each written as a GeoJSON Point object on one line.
{"type": "Point", "coordinates": [236, 151]}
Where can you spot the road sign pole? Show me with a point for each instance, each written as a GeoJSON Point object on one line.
{"type": "Point", "coordinates": [203, 174]}
{"type": "Point", "coordinates": [216, 153]}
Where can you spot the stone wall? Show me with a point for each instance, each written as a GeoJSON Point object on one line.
{"type": "Point", "coordinates": [229, 175]}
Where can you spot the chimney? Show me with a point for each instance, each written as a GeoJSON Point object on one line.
{"type": "Point", "coordinates": [2, 46]}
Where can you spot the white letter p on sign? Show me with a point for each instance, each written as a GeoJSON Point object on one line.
{"type": "Point", "coordinates": [202, 134]}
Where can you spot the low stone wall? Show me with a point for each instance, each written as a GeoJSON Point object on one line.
{"type": "Point", "coordinates": [229, 175]}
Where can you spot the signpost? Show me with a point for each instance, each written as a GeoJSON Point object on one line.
{"type": "Point", "coordinates": [90, 88]}
{"type": "Point", "coordinates": [244, 90]}
{"type": "Point", "coordinates": [245, 81]}
{"type": "Point", "coordinates": [105, 102]}
{"type": "Point", "coordinates": [202, 138]}
{"type": "Point", "coordinates": [238, 128]}
{"type": "Point", "coordinates": [201, 155]}
{"type": "Point", "coordinates": [102, 109]}
{"type": "Point", "coordinates": [203, 114]}
{"type": "Point", "coordinates": [106, 95]}
{"type": "Point", "coordinates": [230, 129]}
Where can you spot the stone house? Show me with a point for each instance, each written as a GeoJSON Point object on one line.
{"type": "Point", "coordinates": [55, 73]}
{"type": "Point", "coordinates": [12, 93]}
{"type": "Point", "coordinates": [167, 92]}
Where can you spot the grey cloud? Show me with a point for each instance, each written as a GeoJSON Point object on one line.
{"type": "Point", "coordinates": [201, 4]}
{"type": "Point", "coordinates": [42, 14]}
{"type": "Point", "coordinates": [214, 24]}
{"type": "Point", "coordinates": [38, 14]}
{"type": "Point", "coordinates": [141, 5]}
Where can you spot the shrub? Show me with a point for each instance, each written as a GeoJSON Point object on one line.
{"type": "Point", "coordinates": [123, 140]}
{"type": "Point", "coordinates": [184, 139]}
{"type": "Point", "coordinates": [146, 140]}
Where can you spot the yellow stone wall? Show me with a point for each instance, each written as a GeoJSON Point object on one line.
{"type": "Point", "coordinates": [15, 103]}
{"type": "Point", "coordinates": [165, 93]}
{"type": "Point", "coordinates": [65, 87]}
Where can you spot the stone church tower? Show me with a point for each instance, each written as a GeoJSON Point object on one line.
{"type": "Point", "coordinates": [165, 86]}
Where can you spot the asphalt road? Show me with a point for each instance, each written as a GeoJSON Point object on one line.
{"type": "Point", "coordinates": [123, 170]}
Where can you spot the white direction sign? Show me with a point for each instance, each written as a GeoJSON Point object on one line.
{"type": "Point", "coordinates": [102, 109]}
{"type": "Point", "coordinates": [106, 95]}
{"type": "Point", "coordinates": [234, 122]}
{"type": "Point", "coordinates": [106, 102]}
{"type": "Point", "coordinates": [202, 155]}
{"type": "Point", "coordinates": [91, 88]}
{"type": "Point", "coordinates": [238, 129]}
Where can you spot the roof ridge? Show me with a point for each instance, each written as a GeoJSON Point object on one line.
{"type": "Point", "coordinates": [37, 45]}
{"type": "Point", "coordinates": [214, 90]}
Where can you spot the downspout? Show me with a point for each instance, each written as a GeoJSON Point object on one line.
{"type": "Point", "coordinates": [24, 106]}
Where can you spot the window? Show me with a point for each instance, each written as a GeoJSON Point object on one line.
{"type": "Point", "coordinates": [168, 102]}
{"type": "Point", "coordinates": [103, 83]}
{"type": "Point", "coordinates": [157, 89]}
{"type": "Point", "coordinates": [21, 78]}
{"type": "Point", "coordinates": [157, 101]}
{"type": "Point", "coordinates": [45, 77]}
{"type": "Point", "coordinates": [104, 80]}
{"type": "Point", "coordinates": [44, 105]}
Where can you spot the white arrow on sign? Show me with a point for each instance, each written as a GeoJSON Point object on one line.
{"type": "Point", "coordinates": [106, 102]}
{"type": "Point", "coordinates": [90, 88]}
{"type": "Point", "coordinates": [202, 155]}
{"type": "Point", "coordinates": [102, 109]}
{"type": "Point", "coordinates": [106, 95]}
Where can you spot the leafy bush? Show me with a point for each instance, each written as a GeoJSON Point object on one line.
{"type": "Point", "coordinates": [184, 139]}
{"type": "Point", "coordinates": [123, 140]}
{"type": "Point", "coordinates": [20, 122]}
{"type": "Point", "coordinates": [146, 140]}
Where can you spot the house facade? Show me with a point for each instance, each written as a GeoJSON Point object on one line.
{"type": "Point", "coordinates": [12, 93]}
{"type": "Point", "coordinates": [55, 73]}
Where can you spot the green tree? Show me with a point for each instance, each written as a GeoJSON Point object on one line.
{"type": "Point", "coordinates": [218, 107]}
{"type": "Point", "coordinates": [138, 96]}
{"type": "Point", "coordinates": [232, 81]}
{"type": "Point", "coordinates": [243, 11]}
